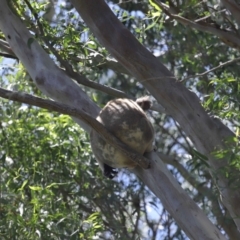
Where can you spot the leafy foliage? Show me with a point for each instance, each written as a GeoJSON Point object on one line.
{"type": "Point", "coordinates": [51, 187]}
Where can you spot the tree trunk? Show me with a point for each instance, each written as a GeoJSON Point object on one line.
{"type": "Point", "coordinates": [207, 134]}
{"type": "Point", "coordinates": [54, 83]}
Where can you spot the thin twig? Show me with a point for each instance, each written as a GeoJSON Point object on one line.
{"type": "Point", "coordinates": [211, 70]}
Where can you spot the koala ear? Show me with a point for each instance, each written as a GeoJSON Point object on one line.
{"type": "Point", "coordinates": [144, 102]}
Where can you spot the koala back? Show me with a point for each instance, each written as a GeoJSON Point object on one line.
{"type": "Point", "coordinates": [126, 120]}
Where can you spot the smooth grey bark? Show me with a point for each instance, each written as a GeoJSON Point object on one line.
{"type": "Point", "coordinates": [207, 134]}
{"type": "Point", "coordinates": [188, 215]}
{"type": "Point", "coordinates": [54, 83]}
{"type": "Point", "coordinates": [51, 80]}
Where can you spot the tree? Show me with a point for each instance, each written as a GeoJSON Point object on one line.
{"type": "Point", "coordinates": [216, 146]}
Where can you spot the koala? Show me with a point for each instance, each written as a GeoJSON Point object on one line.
{"type": "Point", "coordinates": [127, 121]}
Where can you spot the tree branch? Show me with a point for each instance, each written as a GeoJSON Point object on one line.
{"type": "Point", "coordinates": [211, 70]}
{"type": "Point", "coordinates": [176, 201]}
{"type": "Point", "coordinates": [65, 109]}
{"type": "Point", "coordinates": [227, 37]}
{"type": "Point", "coordinates": [4, 46]}
{"type": "Point", "coordinates": [183, 105]}
{"type": "Point", "coordinates": [6, 55]}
